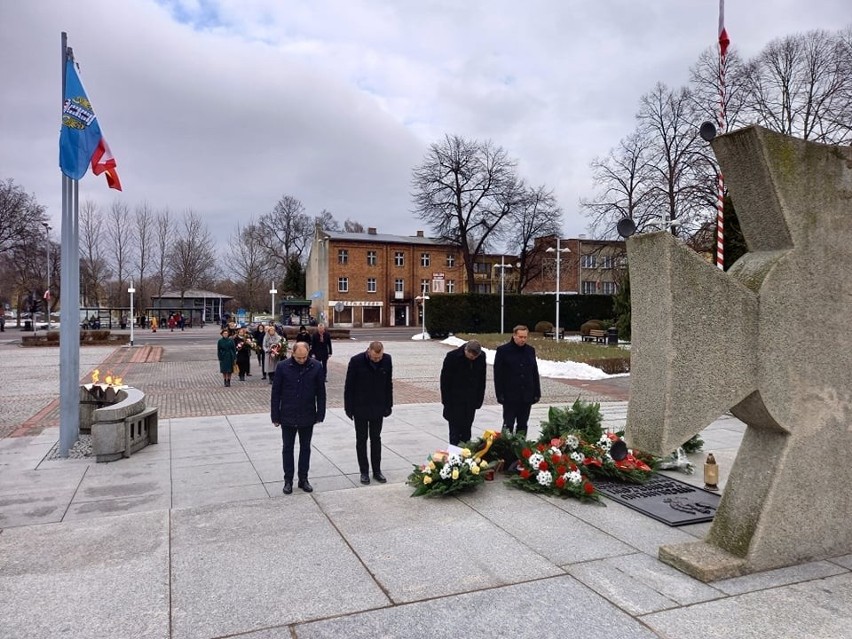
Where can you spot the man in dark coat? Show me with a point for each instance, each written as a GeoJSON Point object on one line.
{"type": "Point", "coordinates": [298, 402]}
{"type": "Point", "coordinates": [462, 389]}
{"type": "Point", "coordinates": [516, 381]}
{"type": "Point", "coordinates": [368, 399]}
{"type": "Point", "coordinates": [321, 347]}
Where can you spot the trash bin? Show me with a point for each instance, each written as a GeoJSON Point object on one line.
{"type": "Point", "coordinates": [28, 325]}
{"type": "Point", "coordinates": [612, 335]}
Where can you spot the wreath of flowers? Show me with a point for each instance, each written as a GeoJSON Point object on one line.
{"type": "Point", "coordinates": [548, 469]}
{"type": "Point", "coordinates": [598, 461]}
{"type": "Point", "coordinates": [447, 473]}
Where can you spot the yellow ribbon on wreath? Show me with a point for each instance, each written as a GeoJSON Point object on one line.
{"type": "Point", "coordinates": [488, 436]}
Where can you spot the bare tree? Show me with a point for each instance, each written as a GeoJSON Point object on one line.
{"type": "Point", "coordinates": [801, 85]}
{"type": "Point", "coordinates": [705, 88]}
{"type": "Point", "coordinates": [325, 220]}
{"type": "Point", "coordinates": [94, 269]}
{"type": "Point", "coordinates": [623, 179]}
{"type": "Point", "coordinates": [192, 256]}
{"type": "Point", "coordinates": [464, 190]}
{"type": "Point", "coordinates": [284, 232]}
{"type": "Point", "coordinates": [352, 226]}
{"type": "Point", "coordinates": [163, 244]}
{"type": "Point", "coordinates": [119, 239]}
{"type": "Point", "coordinates": [247, 259]}
{"type": "Point", "coordinates": [537, 215]}
{"type": "Point", "coordinates": [20, 213]}
{"type": "Point", "coordinates": [145, 238]}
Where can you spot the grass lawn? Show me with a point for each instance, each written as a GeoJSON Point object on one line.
{"type": "Point", "coordinates": [561, 351]}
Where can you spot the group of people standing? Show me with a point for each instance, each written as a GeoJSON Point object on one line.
{"type": "Point", "coordinates": [298, 399]}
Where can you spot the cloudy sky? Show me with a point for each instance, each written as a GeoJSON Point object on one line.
{"type": "Point", "coordinates": [223, 106]}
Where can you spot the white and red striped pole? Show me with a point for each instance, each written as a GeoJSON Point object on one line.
{"type": "Point", "coordinates": [724, 41]}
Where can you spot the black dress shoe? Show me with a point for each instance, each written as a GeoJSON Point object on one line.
{"type": "Point", "coordinates": [305, 485]}
{"type": "Point", "coordinates": [380, 478]}
{"type": "Point", "coordinates": [288, 487]}
{"type": "Point", "coordinates": [365, 478]}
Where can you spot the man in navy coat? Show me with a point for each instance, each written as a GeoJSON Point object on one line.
{"type": "Point", "coordinates": [462, 389]}
{"type": "Point", "coordinates": [298, 402]}
{"type": "Point", "coordinates": [516, 381]}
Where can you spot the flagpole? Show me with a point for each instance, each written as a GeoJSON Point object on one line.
{"type": "Point", "coordinates": [69, 314]}
{"type": "Point", "coordinates": [722, 127]}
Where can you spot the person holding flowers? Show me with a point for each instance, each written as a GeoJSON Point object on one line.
{"type": "Point", "coordinates": [275, 349]}
{"type": "Point", "coordinates": [243, 345]}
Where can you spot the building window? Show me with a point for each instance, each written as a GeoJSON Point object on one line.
{"type": "Point", "coordinates": [399, 258]}
{"type": "Point", "coordinates": [590, 288]}
{"type": "Point", "coordinates": [371, 258]}
{"type": "Point", "coordinates": [607, 261]}
{"type": "Point", "coordinates": [451, 286]}
{"type": "Point", "coordinates": [609, 288]}
{"type": "Point", "coordinates": [343, 256]}
{"type": "Point", "coordinates": [483, 288]}
{"type": "Point", "coordinates": [399, 285]}
{"type": "Point", "coordinates": [425, 260]}
{"type": "Point", "coordinates": [589, 261]}
{"type": "Point", "coordinates": [480, 267]}
{"type": "Point", "coordinates": [342, 284]}
{"type": "Point", "coordinates": [371, 284]}
{"type": "Point", "coordinates": [451, 259]}
{"type": "Point", "coordinates": [424, 287]}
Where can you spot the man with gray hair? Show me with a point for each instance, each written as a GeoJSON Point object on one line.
{"type": "Point", "coordinates": [462, 389]}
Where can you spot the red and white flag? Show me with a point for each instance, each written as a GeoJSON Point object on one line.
{"type": "Point", "coordinates": [47, 295]}
{"type": "Point", "coordinates": [724, 41]}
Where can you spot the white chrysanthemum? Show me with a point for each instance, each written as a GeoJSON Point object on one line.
{"type": "Point", "coordinates": [535, 459]}
{"type": "Point", "coordinates": [427, 471]}
{"type": "Point", "coordinates": [544, 478]}
{"type": "Point", "coordinates": [577, 457]}
{"type": "Point", "coordinates": [446, 471]}
{"type": "Point", "coordinates": [573, 477]}
{"type": "Point", "coordinates": [554, 451]}
{"type": "Point", "coordinates": [470, 461]}
{"type": "Point", "coordinates": [605, 442]}
{"type": "Point", "coordinates": [571, 441]}
{"type": "Point", "coordinates": [454, 460]}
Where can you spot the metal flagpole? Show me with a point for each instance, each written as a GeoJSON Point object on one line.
{"type": "Point", "coordinates": [722, 122]}
{"type": "Point", "coordinates": [69, 297]}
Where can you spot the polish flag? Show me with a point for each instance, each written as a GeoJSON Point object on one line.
{"type": "Point", "coordinates": [104, 162]}
{"type": "Point", "coordinates": [724, 41]}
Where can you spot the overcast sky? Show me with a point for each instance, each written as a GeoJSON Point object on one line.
{"type": "Point", "coordinates": [223, 106]}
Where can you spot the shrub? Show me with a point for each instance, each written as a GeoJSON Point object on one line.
{"type": "Point", "coordinates": [543, 327]}
{"type": "Point", "coordinates": [589, 325]}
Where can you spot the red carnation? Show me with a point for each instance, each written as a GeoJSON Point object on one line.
{"type": "Point", "coordinates": [526, 453]}
{"type": "Point", "coordinates": [588, 488]}
{"type": "Point", "coordinates": [573, 467]}
{"type": "Point", "coordinates": [561, 470]}
{"type": "Point", "coordinates": [556, 458]}
{"type": "Point", "coordinates": [525, 474]}
{"type": "Point", "coordinates": [541, 448]}
{"type": "Point", "coordinates": [542, 465]}
{"type": "Point", "coordinates": [560, 482]}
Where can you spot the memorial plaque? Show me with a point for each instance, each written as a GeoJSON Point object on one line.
{"type": "Point", "coordinates": [668, 500]}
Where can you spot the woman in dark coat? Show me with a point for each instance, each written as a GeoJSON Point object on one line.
{"type": "Point", "coordinates": [227, 352]}
{"type": "Point", "coordinates": [243, 343]}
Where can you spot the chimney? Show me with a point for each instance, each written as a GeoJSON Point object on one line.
{"type": "Point", "coordinates": [371, 230]}
{"type": "Point", "coordinates": [419, 233]}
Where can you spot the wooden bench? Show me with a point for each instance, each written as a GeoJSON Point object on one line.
{"type": "Point", "coordinates": [550, 334]}
{"type": "Point", "coordinates": [595, 335]}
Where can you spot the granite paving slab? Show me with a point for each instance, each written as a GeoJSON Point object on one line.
{"type": "Point", "coordinates": [102, 507]}
{"type": "Point", "coordinates": [550, 531]}
{"type": "Point", "coordinates": [556, 607]}
{"type": "Point", "coordinates": [779, 577]}
{"type": "Point", "coordinates": [640, 584]}
{"type": "Point", "coordinates": [820, 609]}
{"type": "Point", "coordinates": [200, 496]}
{"type": "Point", "coordinates": [28, 507]}
{"type": "Point", "coordinates": [403, 542]}
{"type": "Point", "coordinates": [245, 566]}
{"type": "Point", "coordinates": [91, 579]}
{"type": "Point", "coordinates": [845, 561]}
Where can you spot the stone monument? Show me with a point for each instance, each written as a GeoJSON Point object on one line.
{"type": "Point", "coordinates": [769, 340]}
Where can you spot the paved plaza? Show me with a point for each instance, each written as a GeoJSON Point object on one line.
{"type": "Point", "coordinates": [192, 537]}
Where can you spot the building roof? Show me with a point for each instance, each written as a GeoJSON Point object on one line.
{"type": "Point", "coordinates": [383, 238]}
{"type": "Point", "coordinates": [192, 292]}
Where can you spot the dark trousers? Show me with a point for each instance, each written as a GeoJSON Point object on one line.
{"type": "Point", "coordinates": [288, 436]}
{"type": "Point", "coordinates": [365, 427]}
{"type": "Point", "coordinates": [460, 427]}
{"type": "Point", "coordinates": [516, 412]}
{"type": "Point", "coordinates": [324, 363]}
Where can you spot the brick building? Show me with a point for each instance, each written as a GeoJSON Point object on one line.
{"type": "Point", "coordinates": [589, 267]}
{"type": "Point", "coordinates": [374, 279]}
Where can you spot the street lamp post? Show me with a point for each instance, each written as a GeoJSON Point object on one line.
{"type": "Point", "coordinates": [503, 266]}
{"type": "Point", "coordinates": [272, 292]}
{"type": "Point", "coordinates": [131, 290]}
{"type": "Point", "coordinates": [423, 298]}
{"type": "Point", "coordinates": [47, 229]}
{"type": "Point", "coordinates": [559, 251]}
